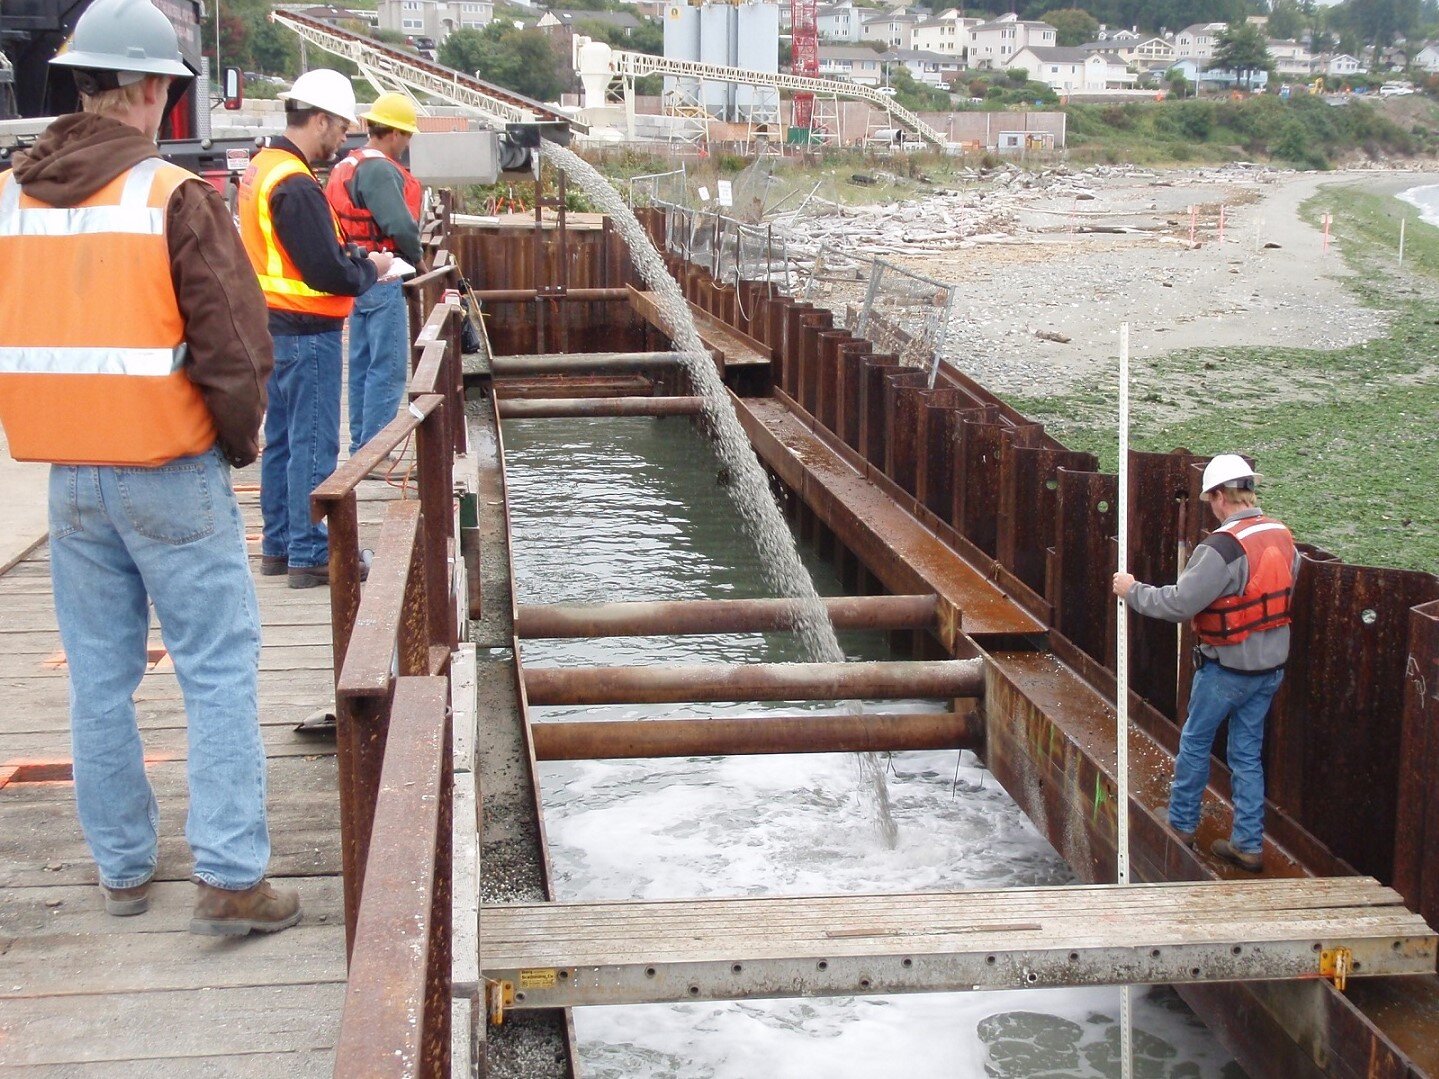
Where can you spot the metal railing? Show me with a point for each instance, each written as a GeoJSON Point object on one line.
{"type": "Point", "coordinates": [392, 650]}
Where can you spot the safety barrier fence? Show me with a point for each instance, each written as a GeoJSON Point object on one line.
{"type": "Point", "coordinates": [392, 646]}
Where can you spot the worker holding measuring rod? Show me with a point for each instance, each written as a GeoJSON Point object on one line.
{"type": "Point", "coordinates": [1236, 592]}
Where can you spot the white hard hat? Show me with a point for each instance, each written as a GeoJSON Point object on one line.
{"type": "Point", "coordinates": [1228, 470]}
{"type": "Point", "coordinates": [324, 89]}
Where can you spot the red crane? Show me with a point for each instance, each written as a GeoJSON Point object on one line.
{"type": "Point", "coordinates": [804, 57]}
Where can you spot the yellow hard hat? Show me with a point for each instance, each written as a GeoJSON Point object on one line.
{"type": "Point", "coordinates": [393, 110]}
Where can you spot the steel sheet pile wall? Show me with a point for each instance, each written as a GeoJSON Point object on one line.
{"type": "Point", "coordinates": [1354, 735]}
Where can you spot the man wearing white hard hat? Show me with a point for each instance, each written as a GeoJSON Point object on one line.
{"type": "Point", "coordinates": [310, 280]}
{"type": "Point", "coordinates": [1236, 592]}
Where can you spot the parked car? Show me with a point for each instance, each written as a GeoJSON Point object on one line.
{"type": "Point", "coordinates": [1396, 89]}
{"type": "Point", "coordinates": [887, 91]}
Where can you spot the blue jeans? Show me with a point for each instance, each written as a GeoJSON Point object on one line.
{"type": "Point", "coordinates": [121, 539]}
{"type": "Point", "coordinates": [379, 366]}
{"type": "Point", "coordinates": [1216, 695]}
{"type": "Point", "coordinates": [302, 444]}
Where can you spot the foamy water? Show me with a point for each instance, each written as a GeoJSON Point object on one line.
{"type": "Point", "coordinates": [607, 510]}
{"type": "Point", "coordinates": [750, 487]}
{"type": "Point", "coordinates": [1426, 199]}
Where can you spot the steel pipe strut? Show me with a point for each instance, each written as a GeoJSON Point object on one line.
{"type": "Point", "coordinates": [754, 682]}
{"type": "Point", "coordinates": [580, 363]}
{"type": "Point", "coordinates": [724, 736]}
{"type": "Point", "coordinates": [551, 408]}
{"type": "Point", "coordinates": [717, 615]}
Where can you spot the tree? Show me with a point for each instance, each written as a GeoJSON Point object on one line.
{"type": "Point", "coordinates": [1242, 50]}
{"type": "Point", "coordinates": [1075, 25]}
{"type": "Point", "coordinates": [1286, 20]}
{"type": "Point", "coordinates": [915, 95]}
{"type": "Point", "coordinates": [519, 60]}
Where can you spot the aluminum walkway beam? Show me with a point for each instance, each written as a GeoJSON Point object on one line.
{"type": "Point", "coordinates": [570, 954]}
{"type": "Point", "coordinates": [678, 683]}
{"type": "Point", "coordinates": [703, 616]}
{"type": "Point", "coordinates": [719, 736]}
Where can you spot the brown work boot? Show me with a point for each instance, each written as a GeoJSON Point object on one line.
{"type": "Point", "coordinates": [1222, 848]}
{"type": "Point", "coordinates": [261, 909]}
{"type": "Point", "coordinates": [124, 902]}
{"type": "Point", "coordinates": [312, 576]}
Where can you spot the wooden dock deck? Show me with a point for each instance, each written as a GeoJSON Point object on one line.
{"type": "Point", "coordinates": [84, 994]}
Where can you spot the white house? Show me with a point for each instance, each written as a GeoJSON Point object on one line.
{"type": "Point", "coordinates": [1134, 49]}
{"type": "Point", "coordinates": [434, 18]}
{"type": "Point", "coordinates": [1427, 58]}
{"type": "Point", "coordinates": [932, 68]}
{"type": "Point", "coordinates": [947, 32]}
{"type": "Point", "coordinates": [835, 22]}
{"type": "Point", "coordinates": [853, 63]}
{"type": "Point", "coordinates": [1342, 65]}
{"type": "Point", "coordinates": [895, 28]}
{"type": "Point", "coordinates": [1291, 58]}
{"type": "Point", "coordinates": [1198, 41]}
{"type": "Point", "coordinates": [1072, 71]}
{"type": "Point", "coordinates": [1202, 76]}
{"type": "Point", "coordinates": [993, 44]}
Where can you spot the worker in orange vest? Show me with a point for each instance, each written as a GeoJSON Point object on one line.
{"type": "Point", "coordinates": [378, 203]}
{"type": "Point", "coordinates": [133, 356]}
{"type": "Point", "coordinates": [310, 279]}
{"type": "Point", "coordinates": [1236, 592]}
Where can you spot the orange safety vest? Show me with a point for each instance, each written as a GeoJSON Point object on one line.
{"type": "Point", "coordinates": [280, 279]}
{"type": "Point", "coordinates": [104, 383]}
{"type": "Point", "coordinates": [1264, 603]}
{"type": "Point", "coordinates": [357, 223]}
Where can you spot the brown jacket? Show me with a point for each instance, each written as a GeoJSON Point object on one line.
{"type": "Point", "coordinates": [229, 351]}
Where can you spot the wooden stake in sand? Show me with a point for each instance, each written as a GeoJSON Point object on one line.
{"type": "Point", "coordinates": [1402, 222]}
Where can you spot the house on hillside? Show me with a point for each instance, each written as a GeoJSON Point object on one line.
{"type": "Point", "coordinates": [1071, 71]}
{"type": "Point", "coordinates": [852, 63]}
{"type": "Point", "coordinates": [947, 33]}
{"type": "Point", "coordinates": [1343, 65]}
{"type": "Point", "coordinates": [894, 28]}
{"type": "Point", "coordinates": [1427, 59]}
{"type": "Point", "coordinates": [834, 22]}
{"type": "Point", "coordinates": [1198, 41]}
{"type": "Point", "coordinates": [992, 44]}
{"type": "Point", "coordinates": [1291, 59]}
{"type": "Point", "coordinates": [931, 68]}
{"type": "Point", "coordinates": [435, 19]}
{"type": "Point", "coordinates": [1204, 78]}
{"type": "Point", "coordinates": [1135, 50]}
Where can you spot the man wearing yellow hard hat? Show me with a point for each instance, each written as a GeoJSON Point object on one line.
{"type": "Point", "coordinates": [378, 204]}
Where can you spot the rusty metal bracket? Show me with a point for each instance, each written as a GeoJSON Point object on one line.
{"type": "Point", "coordinates": [499, 995]}
{"type": "Point", "coordinates": [1335, 965]}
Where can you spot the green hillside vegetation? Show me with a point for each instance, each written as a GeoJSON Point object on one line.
{"type": "Point", "coordinates": [1304, 131]}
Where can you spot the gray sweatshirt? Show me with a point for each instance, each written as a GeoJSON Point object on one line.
{"type": "Point", "coordinates": [1217, 568]}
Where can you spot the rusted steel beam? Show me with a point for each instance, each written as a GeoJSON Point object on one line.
{"type": "Point", "coordinates": [520, 295]}
{"type": "Point", "coordinates": [368, 663]}
{"type": "Point", "coordinates": [569, 407]}
{"type": "Point", "coordinates": [580, 363]}
{"type": "Point", "coordinates": [723, 735]}
{"type": "Point", "coordinates": [754, 682]}
{"type": "Point", "coordinates": [396, 1019]}
{"type": "Point", "coordinates": [664, 618]}
{"type": "Point", "coordinates": [1416, 839]}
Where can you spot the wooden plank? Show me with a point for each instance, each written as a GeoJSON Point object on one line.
{"type": "Point", "coordinates": [119, 1032]}
{"type": "Point", "coordinates": [737, 349]}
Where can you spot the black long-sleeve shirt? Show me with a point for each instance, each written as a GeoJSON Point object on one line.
{"type": "Point", "coordinates": [305, 228]}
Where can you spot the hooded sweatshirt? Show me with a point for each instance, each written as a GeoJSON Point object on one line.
{"type": "Point", "coordinates": [229, 353]}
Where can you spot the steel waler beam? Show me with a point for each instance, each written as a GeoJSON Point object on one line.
{"type": "Point", "coordinates": [580, 363]}
{"type": "Point", "coordinates": [942, 679]}
{"type": "Point", "coordinates": [723, 736]}
{"type": "Point", "coordinates": [556, 408]}
{"type": "Point", "coordinates": [719, 616]}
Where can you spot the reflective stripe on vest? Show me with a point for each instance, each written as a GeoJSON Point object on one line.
{"type": "Point", "coordinates": [358, 223]}
{"type": "Point", "coordinates": [280, 280]}
{"type": "Point", "coordinates": [103, 382]}
{"type": "Point", "coordinates": [1265, 602]}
